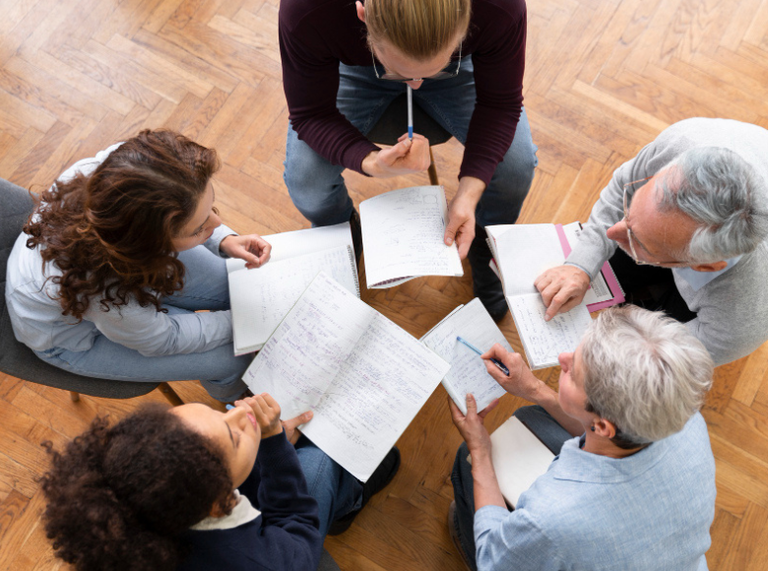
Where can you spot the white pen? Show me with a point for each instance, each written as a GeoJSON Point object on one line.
{"type": "Point", "coordinates": [410, 112]}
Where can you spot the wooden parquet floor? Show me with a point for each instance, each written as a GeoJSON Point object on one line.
{"type": "Point", "coordinates": [603, 78]}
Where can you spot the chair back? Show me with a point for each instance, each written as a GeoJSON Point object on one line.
{"type": "Point", "coordinates": [18, 360]}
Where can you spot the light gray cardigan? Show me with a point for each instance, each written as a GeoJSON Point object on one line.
{"type": "Point", "coordinates": [732, 309]}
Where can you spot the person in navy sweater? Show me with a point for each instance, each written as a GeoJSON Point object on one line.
{"type": "Point", "coordinates": [191, 488]}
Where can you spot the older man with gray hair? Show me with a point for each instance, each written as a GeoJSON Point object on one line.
{"type": "Point", "coordinates": [690, 215]}
{"type": "Point", "coordinates": [634, 490]}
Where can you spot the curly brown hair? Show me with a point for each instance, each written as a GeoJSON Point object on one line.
{"type": "Point", "coordinates": [110, 232]}
{"type": "Point", "coordinates": [119, 498]}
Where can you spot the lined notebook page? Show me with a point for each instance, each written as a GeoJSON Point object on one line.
{"type": "Point", "coordinates": [304, 354]}
{"type": "Point", "coordinates": [467, 373]}
{"type": "Point", "coordinates": [364, 377]}
{"type": "Point", "coordinates": [545, 340]}
{"type": "Point", "coordinates": [261, 297]}
{"type": "Point", "coordinates": [524, 252]}
{"type": "Point", "coordinates": [403, 236]}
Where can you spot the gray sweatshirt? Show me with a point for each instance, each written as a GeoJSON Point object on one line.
{"type": "Point", "coordinates": [732, 308]}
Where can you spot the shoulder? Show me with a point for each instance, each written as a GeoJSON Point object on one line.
{"type": "Point", "coordinates": [87, 166]}
{"type": "Point", "coordinates": [319, 14]}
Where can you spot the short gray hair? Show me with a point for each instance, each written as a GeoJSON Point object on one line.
{"type": "Point", "coordinates": [724, 195]}
{"type": "Point", "coordinates": [644, 372]}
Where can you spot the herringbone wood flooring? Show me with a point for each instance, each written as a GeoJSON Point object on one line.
{"type": "Point", "coordinates": [603, 78]}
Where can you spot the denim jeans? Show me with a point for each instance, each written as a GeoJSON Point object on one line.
{"type": "Point", "coordinates": [219, 371]}
{"type": "Point", "coordinates": [317, 187]}
{"type": "Point", "coordinates": [542, 425]}
{"type": "Point", "coordinates": [336, 491]}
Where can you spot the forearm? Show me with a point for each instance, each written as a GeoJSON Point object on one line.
{"type": "Point", "coordinates": [485, 485]}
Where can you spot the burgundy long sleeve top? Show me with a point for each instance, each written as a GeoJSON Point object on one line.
{"type": "Point", "coordinates": [315, 35]}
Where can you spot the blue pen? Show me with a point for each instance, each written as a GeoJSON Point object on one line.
{"type": "Point", "coordinates": [496, 362]}
{"type": "Point", "coordinates": [230, 407]}
{"type": "Point", "coordinates": [410, 111]}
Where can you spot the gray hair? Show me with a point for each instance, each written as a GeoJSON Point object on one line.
{"type": "Point", "coordinates": [644, 372]}
{"type": "Point", "coordinates": [724, 194]}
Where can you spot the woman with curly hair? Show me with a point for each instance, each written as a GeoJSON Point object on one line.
{"type": "Point", "coordinates": [191, 488]}
{"type": "Point", "coordinates": [120, 253]}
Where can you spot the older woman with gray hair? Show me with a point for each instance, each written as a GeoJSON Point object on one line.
{"type": "Point", "coordinates": [694, 204]}
{"type": "Point", "coordinates": [633, 485]}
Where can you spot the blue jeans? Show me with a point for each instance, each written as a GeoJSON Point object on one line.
{"type": "Point", "coordinates": [317, 187]}
{"type": "Point", "coordinates": [542, 425]}
{"type": "Point", "coordinates": [219, 371]}
{"type": "Point", "coordinates": [336, 491]}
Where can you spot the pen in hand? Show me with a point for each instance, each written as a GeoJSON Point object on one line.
{"type": "Point", "coordinates": [496, 362]}
{"type": "Point", "coordinates": [409, 92]}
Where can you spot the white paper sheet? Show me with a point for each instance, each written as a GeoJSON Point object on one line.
{"type": "Point", "coordinates": [467, 373]}
{"type": "Point", "coordinates": [545, 340]}
{"type": "Point", "coordinates": [261, 297]}
{"type": "Point", "coordinates": [364, 377]}
{"type": "Point", "coordinates": [403, 236]}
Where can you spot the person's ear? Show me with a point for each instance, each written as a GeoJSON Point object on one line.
{"type": "Point", "coordinates": [604, 428]}
{"type": "Point", "coordinates": [360, 11]}
{"type": "Point", "coordinates": [711, 267]}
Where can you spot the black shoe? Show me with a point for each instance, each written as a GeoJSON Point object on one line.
{"type": "Point", "coordinates": [378, 481]}
{"type": "Point", "coordinates": [485, 284]}
{"type": "Point", "coordinates": [357, 234]}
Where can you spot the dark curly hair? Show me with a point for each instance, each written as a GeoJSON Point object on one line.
{"type": "Point", "coordinates": [110, 232]}
{"type": "Point", "coordinates": [120, 497]}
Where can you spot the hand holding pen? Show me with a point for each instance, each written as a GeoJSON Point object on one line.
{"type": "Point", "coordinates": [496, 362]}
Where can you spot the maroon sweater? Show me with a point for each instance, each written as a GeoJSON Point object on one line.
{"type": "Point", "coordinates": [315, 35]}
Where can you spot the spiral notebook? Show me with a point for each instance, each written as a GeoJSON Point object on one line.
{"type": "Point", "coordinates": [261, 297]}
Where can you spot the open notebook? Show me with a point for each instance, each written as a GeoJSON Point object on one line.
{"type": "Point", "coordinates": [521, 253]}
{"type": "Point", "coordinates": [403, 234]}
{"type": "Point", "coordinates": [364, 377]}
{"type": "Point", "coordinates": [519, 457]}
{"type": "Point", "coordinates": [467, 373]}
{"type": "Point", "coordinates": [261, 297]}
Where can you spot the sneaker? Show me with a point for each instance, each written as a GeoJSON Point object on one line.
{"type": "Point", "coordinates": [485, 284]}
{"type": "Point", "coordinates": [455, 534]}
{"type": "Point", "coordinates": [379, 480]}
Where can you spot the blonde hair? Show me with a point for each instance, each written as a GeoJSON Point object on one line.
{"type": "Point", "coordinates": [418, 28]}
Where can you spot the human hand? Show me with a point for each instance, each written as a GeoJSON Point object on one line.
{"type": "Point", "coordinates": [267, 413]}
{"type": "Point", "coordinates": [461, 214]}
{"type": "Point", "coordinates": [292, 432]}
{"type": "Point", "coordinates": [406, 157]}
{"type": "Point", "coordinates": [562, 288]}
{"type": "Point", "coordinates": [520, 382]}
{"type": "Point", "coordinates": [252, 248]}
{"type": "Point", "coordinates": [471, 425]}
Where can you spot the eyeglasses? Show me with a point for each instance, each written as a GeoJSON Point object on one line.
{"type": "Point", "coordinates": [449, 71]}
{"type": "Point", "coordinates": [631, 238]}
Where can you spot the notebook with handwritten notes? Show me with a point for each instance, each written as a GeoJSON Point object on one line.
{"type": "Point", "coordinates": [467, 374]}
{"type": "Point", "coordinates": [403, 233]}
{"type": "Point", "coordinates": [521, 253]}
{"type": "Point", "coordinates": [261, 297]}
{"type": "Point", "coordinates": [364, 377]}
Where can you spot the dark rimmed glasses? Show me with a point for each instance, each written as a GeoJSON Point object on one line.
{"type": "Point", "coordinates": [449, 71]}
{"type": "Point", "coordinates": [631, 238]}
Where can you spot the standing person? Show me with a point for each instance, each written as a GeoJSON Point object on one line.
{"type": "Point", "coordinates": [195, 489]}
{"type": "Point", "coordinates": [343, 63]}
{"type": "Point", "coordinates": [633, 484]}
{"type": "Point", "coordinates": [123, 249]}
{"type": "Point", "coordinates": [690, 217]}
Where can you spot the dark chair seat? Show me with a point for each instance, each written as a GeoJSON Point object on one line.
{"type": "Point", "coordinates": [18, 360]}
{"type": "Point", "coordinates": [394, 122]}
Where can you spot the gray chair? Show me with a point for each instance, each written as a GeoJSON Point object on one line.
{"type": "Point", "coordinates": [394, 122]}
{"type": "Point", "coordinates": [16, 359]}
